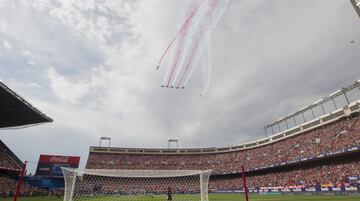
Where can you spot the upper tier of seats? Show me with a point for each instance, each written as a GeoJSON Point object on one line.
{"type": "Point", "coordinates": [342, 134]}
{"type": "Point", "coordinates": [8, 160]}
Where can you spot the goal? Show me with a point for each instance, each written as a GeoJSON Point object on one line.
{"type": "Point", "coordinates": [121, 185]}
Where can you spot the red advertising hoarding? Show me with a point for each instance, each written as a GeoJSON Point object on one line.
{"type": "Point", "coordinates": [50, 165]}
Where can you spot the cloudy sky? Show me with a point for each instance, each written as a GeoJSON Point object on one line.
{"type": "Point", "coordinates": [90, 65]}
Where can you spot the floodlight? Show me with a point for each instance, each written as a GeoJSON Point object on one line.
{"type": "Point", "coordinates": [104, 138]}
{"type": "Point", "coordinates": [173, 140]}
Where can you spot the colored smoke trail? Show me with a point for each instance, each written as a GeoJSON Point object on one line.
{"type": "Point", "coordinates": [193, 9]}
{"type": "Point", "coordinates": [206, 69]}
{"type": "Point", "coordinates": [201, 41]}
{"type": "Point", "coordinates": [180, 42]}
{"type": "Point", "coordinates": [217, 8]}
{"type": "Point", "coordinates": [189, 62]}
{"type": "Point", "coordinates": [187, 47]}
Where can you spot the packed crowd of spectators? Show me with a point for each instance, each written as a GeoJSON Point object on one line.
{"type": "Point", "coordinates": [7, 162]}
{"type": "Point", "coordinates": [326, 139]}
{"type": "Point", "coordinates": [331, 138]}
{"type": "Point", "coordinates": [334, 174]}
{"type": "Point", "coordinates": [8, 184]}
{"type": "Point", "coordinates": [8, 188]}
{"type": "Point", "coordinates": [326, 175]}
{"type": "Point", "coordinates": [331, 175]}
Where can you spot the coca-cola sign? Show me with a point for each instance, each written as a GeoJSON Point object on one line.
{"type": "Point", "coordinates": [50, 165]}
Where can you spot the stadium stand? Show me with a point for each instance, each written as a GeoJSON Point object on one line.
{"type": "Point", "coordinates": [325, 154]}
{"type": "Point", "coordinates": [15, 112]}
{"type": "Point", "coordinates": [8, 160]}
{"type": "Point", "coordinates": [10, 166]}
{"type": "Point", "coordinates": [330, 173]}
{"type": "Point", "coordinates": [8, 185]}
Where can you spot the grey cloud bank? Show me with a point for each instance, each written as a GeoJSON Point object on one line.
{"type": "Point", "coordinates": [91, 67]}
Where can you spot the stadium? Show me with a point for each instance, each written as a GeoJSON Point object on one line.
{"type": "Point", "coordinates": [310, 154]}
{"type": "Point", "coordinates": [318, 156]}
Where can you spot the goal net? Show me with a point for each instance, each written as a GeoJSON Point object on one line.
{"type": "Point", "coordinates": [121, 185]}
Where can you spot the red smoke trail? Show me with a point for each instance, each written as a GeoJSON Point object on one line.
{"type": "Point", "coordinates": [196, 47]}
{"type": "Point", "coordinates": [182, 29]}
{"type": "Point", "coordinates": [176, 61]}
{"type": "Point", "coordinates": [192, 55]}
{"type": "Point", "coordinates": [167, 49]}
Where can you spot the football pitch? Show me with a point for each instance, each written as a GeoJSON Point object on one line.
{"type": "Point", "coordinates": [222, 197]}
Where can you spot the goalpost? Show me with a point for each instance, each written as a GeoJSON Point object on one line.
{"type": "Point", "coordinates": [121, 185]}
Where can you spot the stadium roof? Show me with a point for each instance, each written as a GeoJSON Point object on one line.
{"type": "Point", "coordinates": [16, 112]}
{"type": "Point", "coordinates": [356, 4]}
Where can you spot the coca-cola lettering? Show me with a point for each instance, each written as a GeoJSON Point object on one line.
{"type": "Point", "coordinates": [58, 159]}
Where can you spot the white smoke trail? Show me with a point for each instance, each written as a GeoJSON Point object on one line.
{"type": "Point", "coordinates": [187, 42]}
{"type": "Point", "coordinates": [211, 21]}
{"type": "Point", "coordinates": [188, 46]}
{"type": "Point", "coordinates": [193, 38]}
{"type": "Point", "coordinates": [182, 38]}
{"type": "Point", "coordinates": [206, 69]}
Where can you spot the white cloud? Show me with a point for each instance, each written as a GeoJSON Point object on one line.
{"type": "Point", "coordinates": [98, 22]}
{"type": "Point", "coordinates": [3, 26]}
{"type": "Point", "coordinates": [66, 91]}
{"type": "Point", "coordinates": [33, 63]}
{"type": "Point", "coordinates": [7, 45]}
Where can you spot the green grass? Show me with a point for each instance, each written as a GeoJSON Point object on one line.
{"type": "Point", "coordinates": [226, 197]}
